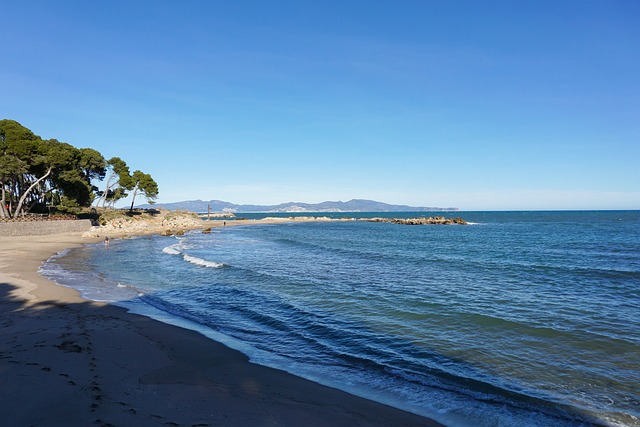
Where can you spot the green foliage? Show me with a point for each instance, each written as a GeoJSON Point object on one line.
{"type": "Point", "coordinates": [143, 183]}
{"type": "Point", "coordinates": [92, 164]}
{"type": "Point", "coordinates": [118, 181]}
{"type": "Point", "coordinates": [11, 166]}
{"type": "Point", "coordinates": [69, 205]}
{"type": "Point", "coordinates": [44, 174]}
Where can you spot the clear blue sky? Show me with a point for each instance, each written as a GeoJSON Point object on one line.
{"type": "Point", "coordinates": [475, 104]}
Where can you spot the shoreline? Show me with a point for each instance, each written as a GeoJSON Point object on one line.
{"type": "Point", "coordinates": [66, 360]}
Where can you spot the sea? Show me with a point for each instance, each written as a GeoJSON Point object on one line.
{"type": "Point", "coordinates": [517, 319]}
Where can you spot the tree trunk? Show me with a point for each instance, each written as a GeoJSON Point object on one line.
{"type": "Point", "coordinates": [135, 190]}
{"type": "Point", "coordinates": [26, 193]}
{"type": "Point", "coordinates": [106, 191]}
{"type": "Point", "coordinates": [4, 212]}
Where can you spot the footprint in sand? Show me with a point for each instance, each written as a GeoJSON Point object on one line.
{"type": "Point", "coordinates": [69, 347]}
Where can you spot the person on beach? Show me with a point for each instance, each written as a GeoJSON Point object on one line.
{"type": "Point", "coordinates": [106, 241]}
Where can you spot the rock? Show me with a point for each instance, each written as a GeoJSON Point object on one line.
{"type": "Point", "coordinates": [421, 221]}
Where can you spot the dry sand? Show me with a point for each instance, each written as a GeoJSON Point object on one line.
{"type": "Point", "coordinates": [65, 361]}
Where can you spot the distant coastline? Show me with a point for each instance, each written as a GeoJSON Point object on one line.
{"type": "Point", "coordinates": [354, 205]}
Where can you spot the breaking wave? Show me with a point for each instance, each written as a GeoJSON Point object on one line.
{"type": "Point", "coordinates": [202, 262]}
{"type": "Point", "coordinates": [172, 250]}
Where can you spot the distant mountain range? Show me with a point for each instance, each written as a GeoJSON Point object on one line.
{"type": "Point", "coordinates": [355, 205]}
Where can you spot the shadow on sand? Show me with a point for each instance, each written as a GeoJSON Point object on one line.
{"type": "Point", "coordinates": [84, 363]}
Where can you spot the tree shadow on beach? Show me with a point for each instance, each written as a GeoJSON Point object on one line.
{"type": "Point", "coordinates": [85, 363]}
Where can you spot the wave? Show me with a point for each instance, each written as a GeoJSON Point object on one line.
{"type": "Point", "coordinates": [202, 262]}
{"type": "Point", "coordinates": [172, 250]}
{"type": "Point", "coordinates": [175, 249]}
{"type": "Point", "coordinates": [138, 292]}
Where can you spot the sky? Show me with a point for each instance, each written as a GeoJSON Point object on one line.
{"type": "Point", "coordinates": [481, 105]}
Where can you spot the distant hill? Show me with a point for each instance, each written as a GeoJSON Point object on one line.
{"type": "Point", "coordinates": [355, 205]}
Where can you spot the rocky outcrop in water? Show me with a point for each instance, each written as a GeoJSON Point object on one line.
{"type": "Point", "coordinates": [421, 221]}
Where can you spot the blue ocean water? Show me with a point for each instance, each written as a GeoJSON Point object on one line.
{"type": "Point", "coordinates": [521, 318]}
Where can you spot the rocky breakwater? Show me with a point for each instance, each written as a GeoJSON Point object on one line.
{"type": "Point", "coordinates": [421, 221]}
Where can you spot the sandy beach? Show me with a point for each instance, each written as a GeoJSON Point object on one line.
{"type": "Point", "coordinates": [67, 361]}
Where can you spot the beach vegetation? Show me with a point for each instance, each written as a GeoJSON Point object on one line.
{"type": "Point", "coordinates": [117, 182]}
{"type": "Point", "coordinates": [144, 184]}
{"type": "Point", "coordinates": [46, 175]}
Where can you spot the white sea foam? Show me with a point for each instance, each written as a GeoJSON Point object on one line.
{"type": "Point", "coordinates": [172, 250]}
{"type": "Point", "coordinates": [201, 262]}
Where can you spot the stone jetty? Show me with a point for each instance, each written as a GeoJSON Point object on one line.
{"type": "Point", "coordinates": [421, 221]}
